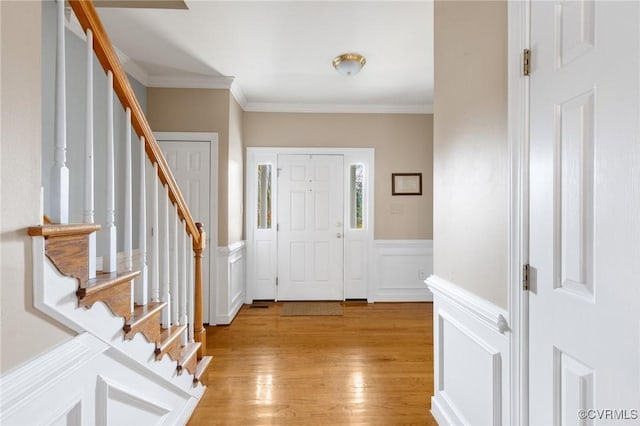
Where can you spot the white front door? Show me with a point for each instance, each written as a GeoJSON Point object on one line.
{"type": "Point", "coordinates": [189, 162]}
{"type": "Point", "coordinates": [310, 228]}
{"type": "Point", "coordinates": [584, 337]}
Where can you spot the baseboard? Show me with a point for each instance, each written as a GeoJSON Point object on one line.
{"type": "Point", "coordinates": [399, 269]}
{"type": "Point", "coordinates": [231, 285]}
{"type": "Point", "coordinates": [472, 335]}
{"type": "Point", "coordinates": [444, 413]}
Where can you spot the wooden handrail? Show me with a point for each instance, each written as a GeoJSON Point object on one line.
{"type": "Point", "coordinates": [104, 51]}
{"type": "Point", "coordinates": [88, 17]}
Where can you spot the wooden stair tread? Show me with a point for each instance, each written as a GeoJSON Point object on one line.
{"type": "Point", "coordinates": [188, 357]}
{"type": "Point", "coordinates": [141, 313]}
{"type": "Point", "coordinates": [170, 342]}
{"type": "Point", "coordinates": [104, 280]}
{"type": "Point", "coordinates": [59, 230]}
{"type": "Point", "coordinates": [203, 366]}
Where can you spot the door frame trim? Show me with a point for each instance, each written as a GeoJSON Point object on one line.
{"type": "Point", "coordinates": [212, 139]}
{"type": "Point", "coordinates": [254, 156]}
{"type": "Point", "coordinates": [518, 193]}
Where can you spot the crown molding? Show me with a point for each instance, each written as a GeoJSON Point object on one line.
{"type": "Point", "coordinates": [339, 108]}
{"type": "Point", "coordinates": [238, 94]}
{"type": "Point", "coordinates": [190, 82]}
{"type": "Point", "coordinates": [133, 69]}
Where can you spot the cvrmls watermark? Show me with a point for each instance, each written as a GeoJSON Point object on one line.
{"type": "Point", "coordinates": [609, 414]}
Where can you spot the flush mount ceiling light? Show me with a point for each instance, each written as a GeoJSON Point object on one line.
{"type": "Point", "coordinates": [349, 63]}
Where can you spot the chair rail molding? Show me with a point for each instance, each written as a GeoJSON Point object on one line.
{"type": "Point", "coordinates": [485, 312]}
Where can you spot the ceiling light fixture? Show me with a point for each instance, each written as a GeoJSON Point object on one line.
{"type": "Point", "coordinates": [349, 63]}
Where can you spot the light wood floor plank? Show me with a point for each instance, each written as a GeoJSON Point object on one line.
{"type": "Point", "coordinates": [372, 366]}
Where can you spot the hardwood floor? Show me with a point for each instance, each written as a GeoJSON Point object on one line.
{"type": "Point", "coordinates": [372, 366]}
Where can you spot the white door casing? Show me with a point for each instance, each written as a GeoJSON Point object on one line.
{"type": "Point", "coordinates": [310, 227]}
{"type": "Point", "coordinates": [584, 252]}
{"type": "Point", "coordinates": [193, 158]}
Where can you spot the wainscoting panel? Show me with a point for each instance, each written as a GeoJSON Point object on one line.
{"type": "Point", "coordinates": [231, 285]}
{"type": "Point", "coordinates": [86, 381]}
{"type": "Point", "coordinates": [399, 269]}
{"type": "Point", "coordinates": [472, 335]}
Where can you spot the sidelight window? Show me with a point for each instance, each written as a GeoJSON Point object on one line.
{"type": "Point", "coordinates": [356, 196]}
{"type": "Point", "coordinates": [264, 196]}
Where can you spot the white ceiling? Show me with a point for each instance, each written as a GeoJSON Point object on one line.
{"type": "Point", "coordinates": [278, 54]}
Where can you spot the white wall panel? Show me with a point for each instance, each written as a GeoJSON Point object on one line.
{"type": "Point", "coordinates": [399, 270]}
{"type": "Point", "coordinates": [100, 386]}
{"type": "Point", "coordinates": [471, 348]}
{"type": "Point", "coordinates": [231, 283]}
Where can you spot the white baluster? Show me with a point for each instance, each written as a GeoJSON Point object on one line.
{"type": "Point", "coordinates": [88, 159]}
{"type": "Point", "coordinates": [155, 237]}
{"type": "Point", "coordinates": [128, 203]}
{"type": "Point", "coordinates": [60, 172]}
{"type": "Point", "coordinates": [110, 259]}
{"type": "Point", "coordinates": [174, 266]}
{"type": "Point", "coordinates": [166, 259]}
{"type": "Point", "coordinates": [128, 197]}
{"type": "Point", "coordinates": [141, 288]}
{"type": "Point", "coordinates": [183, 279]}
{"type": "Point", "coordinates": [190, 290]}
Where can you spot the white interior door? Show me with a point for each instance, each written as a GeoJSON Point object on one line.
{"type": "Point", "coordinates": [190, 164]}
{"type": "Point", "coordinates": [584, 348]}
{"type": "Point", "coordinates": [310, 228]}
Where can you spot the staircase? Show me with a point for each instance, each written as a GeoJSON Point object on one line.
{"type": "Point", "coordinates": [67, 249]}
{"type": "Point", "coordinates": [139, 310]}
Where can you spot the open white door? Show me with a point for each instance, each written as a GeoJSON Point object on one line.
{"type": "Point", "coordinates": [310, 228]}
{"type": "Point", "coordinates": [584, 348]}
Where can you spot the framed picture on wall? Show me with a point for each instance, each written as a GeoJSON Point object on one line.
{"type": "Point", "coordinates": [406, 183]}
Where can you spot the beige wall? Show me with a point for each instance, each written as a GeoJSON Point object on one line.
{"type": "Point", "coordinates": [403, 143]}
{"type": "Point", "coordinates": [25, 332]}
{"type": "Point", "coordinates": [470, 146]}
{"type": "Point", "coordinates": [236, 172]}
{"type": "Point", "coordinates": [197, 110]}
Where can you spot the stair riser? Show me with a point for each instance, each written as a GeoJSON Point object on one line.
{"type": "Point", "coordinates": [150, 329]}
{"type": "Point", "coordinates": [70, 254]}
{"type": "Point", "coordinates": [190, 365]}
{"type": "Point", "coordinates": [116, 297]}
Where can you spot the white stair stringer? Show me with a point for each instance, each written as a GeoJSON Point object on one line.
{"type": "Point", "coordinates": [55, 296]}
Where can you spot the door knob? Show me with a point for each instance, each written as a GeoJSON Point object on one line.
{"type": "Point", "coordinates": [339, 235]}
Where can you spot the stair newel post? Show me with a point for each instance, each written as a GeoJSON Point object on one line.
{"type": "Point", "coordinates": [165, 278]}
{"type": "Point", "coordinates": [174, 267]}
{"type": "Point", "coordinates": [128, 203]}
{"type": "Point", "coordinates": [89, 192]}
{"type": "Point", "coordinates": [155, 237]}
{"type": "Point", "coordinates": [60, 171]}
{"type": "Point", "coordinates": [141, 288]}
{"type": "Point", "coordinates": [110, 259]}
{"type": "Point", "coordinates": [199, 246]}
{"type": "Point", "coordinates": [183, 280]}
{"type": "Point", "coordinates": [190, 291]}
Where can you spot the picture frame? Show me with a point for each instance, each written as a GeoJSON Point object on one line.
{"type": "Point", "coordinates": [406, 183]}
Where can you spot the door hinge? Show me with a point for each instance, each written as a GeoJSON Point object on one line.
{"type": "Point", "coordinates": [276, 281]}
{"type": "Point", "coordinates": [277, 227]}
{"type": "Point", "coordinates": [526, 62]}
{"type": "Point", "coordinates": [525, 276]}
{"type": "Point", "coordinates": [278, 170]}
